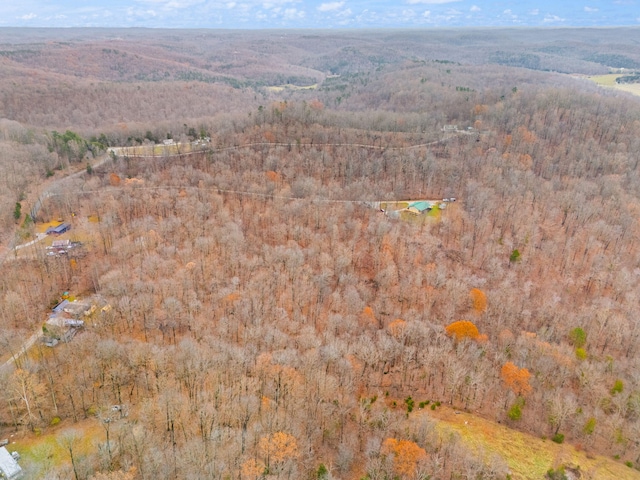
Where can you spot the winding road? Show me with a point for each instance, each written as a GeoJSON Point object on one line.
{"type": "Point", "coordinates": [55, 187]}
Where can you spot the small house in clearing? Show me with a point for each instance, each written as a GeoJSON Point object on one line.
{"type": "Point", "coordinates": [420, 207]}
{"type": "Point", "coordinates": [9, 468]}
{"type": "Point", "coordinates": [59, 230]}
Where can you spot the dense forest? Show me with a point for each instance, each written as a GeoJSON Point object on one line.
{"type": "Point", "coordinates": [258, 316]}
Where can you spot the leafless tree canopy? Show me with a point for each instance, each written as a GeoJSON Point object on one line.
{"type": "Point", "coordinates": [264, 318]}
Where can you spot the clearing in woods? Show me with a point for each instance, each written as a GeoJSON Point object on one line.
{"type": "Point", "coordinates": [528, 457]}
{"type": "Point", "coordinates": [42, 452]}
{"type": "Point", "coordinates": [610, 81]}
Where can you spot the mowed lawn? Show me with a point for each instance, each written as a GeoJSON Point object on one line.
{"type": "Point", "coordinates": [528, 457]}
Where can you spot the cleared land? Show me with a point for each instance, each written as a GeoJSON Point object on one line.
{"type": "Point", "coordinates": [528, 457]}
{"type": "Point", "coordinates": [610, 81]}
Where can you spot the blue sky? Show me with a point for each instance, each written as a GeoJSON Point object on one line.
{"type": "Point", "coordinates": [316, 13]}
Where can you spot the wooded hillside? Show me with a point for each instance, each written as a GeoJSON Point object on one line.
{"type": "Point", "coordinates": [264, 320]}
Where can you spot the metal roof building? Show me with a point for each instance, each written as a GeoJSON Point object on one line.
{"type": "Point", "coordinates": [9, 468]}
{"type": "Point", "coordinates": [63, 227]}
{"type": "Point", "coordinates": [419, 207]}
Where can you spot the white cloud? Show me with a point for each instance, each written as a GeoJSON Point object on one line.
{"type": "Point", "coordinates": [172, 4]}
{"type": "Point", "coordinates": [330, 6]}
{"type": "Point", "coordinates": [552, 19]}
{"type": "Point", "coordinates": [29, 16]}
{"type": "Point", "coordinates": [231, 5]}
{"type": "Point", "coordinates": [426, 14]}
{"type": "Point", "coordinates": [135, 12]}
{"type": "Point", "coordinates": [475, 8]}
{"type": "Point", "coordinates": [590, 9]}
{"type": "Point", "coordinates": [430, 2]}
{"type": "Point", "coordinates": [293, 14]}
{"type": "Point", "coordinates": [408, 14]}
{"type": "Point", "coordinates": [276, 5]}
{"type": "Point", "coordinates": [535, 11]}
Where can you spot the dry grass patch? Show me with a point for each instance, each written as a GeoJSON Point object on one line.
{"type": "Point", "coordinates": [280, 88]}
{"type": "Point", "coordinates": [394, 205]}
{"type": "Point", "coordinates": [610, 81]}
{"type": "Point", "coordinates": [42, 227]}
{"type": "Point", "coordinates": [528, 457]}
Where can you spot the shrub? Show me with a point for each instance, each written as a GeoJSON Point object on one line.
{"type": "Point", "coordinates": [590, 426]}
{"type": "Point", "coordinates": [558, 438]}
{"type": "Point", "coordinates": [515, 412]}
{"type": "Point", "coordinates": [618, 387]}
{"type": "Point", "coordinates": [54, 421]}
{"type": "Point", "coordinates": [515, 256]}
{"type": "Point", "coordinates": [556, 474]}
{"type": "Point", "coordinates": [322, 473]}
{"type": "Point", "coordinates": [410, 403]}
{"type": "Point", "coordinates": [578, 337]}
{"type": "Point", "coordinates": [581, 354]}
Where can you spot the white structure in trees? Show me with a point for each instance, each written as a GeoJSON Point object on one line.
{"type": "Point", "coordinates": [9, 468]}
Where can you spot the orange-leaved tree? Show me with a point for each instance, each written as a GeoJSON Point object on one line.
{"type": "Point", "coordinates": [252, 469]}
{"type": "Point", "coordinates": [479, 300]}
{"type": "Point", "coordinates": [114, 179]}
{"type": "Point", "coordinates": [368, 317]}
{"type": "Point", "coordinates": [397, 327]}
{"type": "Point", "coordinates": [462, 329]}
{"type": "Point", "coordinates": [406, 455]}
{"type": "Point", "coordinates": [278, 447]}
{"type": "Point", "coordinates": [517, 379]}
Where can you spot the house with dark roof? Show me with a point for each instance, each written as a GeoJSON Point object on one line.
{"type": "Point", "coordinates": [58, 230]}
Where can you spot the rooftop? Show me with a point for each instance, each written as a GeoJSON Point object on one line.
{"type": "Point", "coordinates": [421, 206]}
{"type": "Point", "coordinates": [9, 468]}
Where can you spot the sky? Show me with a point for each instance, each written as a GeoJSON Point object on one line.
{"type": "Point", "coordinates": [257, 14]}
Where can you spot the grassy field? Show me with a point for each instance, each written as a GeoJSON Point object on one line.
{"type": "Point", "coordinates": [280, 88]}
{"type": "Point", "coordinates": [610, 81]}
{"type": "Point", "coordinates": [41, 452]}
{"type": "Point", "coordinates": [528, 457]}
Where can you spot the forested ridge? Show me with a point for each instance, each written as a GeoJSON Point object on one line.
{"type": "Point", "coordinates": [265, 322]}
